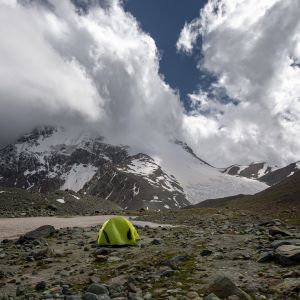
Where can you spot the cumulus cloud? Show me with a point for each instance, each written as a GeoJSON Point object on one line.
{"type": "Point", "coordinates": [81, 62]}
{"type": "Point", "coordinates": [88, 63]}
{"type": "Point", "coordinates": [252, 47]}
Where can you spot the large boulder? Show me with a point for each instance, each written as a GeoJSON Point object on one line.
{"type": "Point", "coordinates": [42, 232]}
{"type": "Point", "coordinates": [288, 255]}
{"type": "Point", "coordinates": [223, 287]}
{"type": "Point", "coordinates": [279, 243]}
{"type": "Point", "coordinates": [276, 230]}
{"type": "Point", "coordinates": [288, 285]}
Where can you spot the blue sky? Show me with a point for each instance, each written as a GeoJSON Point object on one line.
{"type": "Point", "coordinates": [164, 20]}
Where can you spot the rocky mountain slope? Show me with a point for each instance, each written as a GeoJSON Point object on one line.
{"type": "Point", "coordinates": [283, 197]}
{"type": "Point", "coordinates": [168, 176]}
{"type": "Point", "coordinates": [254, 170]}
{"type": "Point", "coordinates": [263, 172]}
{"type": "Point", "coordinates": [15, 202]}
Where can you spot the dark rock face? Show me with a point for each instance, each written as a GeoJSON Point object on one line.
{"type": "Point", "coordinates": [254, 170]}
{"type": "Point", "coordinates": [262, 172]}
{"type": "Point", "coordinates": [41, 232]}
{"type": "Point", "coordinates": [50, 159]}
{"type": "Point", "coordinates": [280, 174]}
{"type": "Point", "coordinates": [130, 190]}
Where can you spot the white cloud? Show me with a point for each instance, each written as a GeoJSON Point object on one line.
{"type": "Point", "coordinates": [253, 48]}
{"type": "Point", "coordinates": [98, 68]}
{"type": "Point", "coordinates": [60, 66]}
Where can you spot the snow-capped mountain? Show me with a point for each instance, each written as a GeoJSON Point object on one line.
{"type": "Point", "coordinates": [263, 172]}
{"type": "Point", "coordinates": [279, 175]}
{"type": "Point", "coordinates": [252, 171]}
{"type": "Point", "coordinates": [171, 176]}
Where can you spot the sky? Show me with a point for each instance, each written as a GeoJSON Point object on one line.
{"type": "Point", "coordinates": [222, 75]}
{"type": "Point", "coordinates": [163, 20]}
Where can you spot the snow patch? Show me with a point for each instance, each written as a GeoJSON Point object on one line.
{"type": "Point", "coordinates": [262, 171]}
{"type": "Point", "coordinates": [76, 197]}
{"type": "Point", "coordinates": [78, 176]}
{"type": "Point", "coordinates": [136, 190]}
{"type": "Point", "coordinates": [61, 201]}
{"type": "Point", "coordinates": [141, 167]}
{"type": "Point", "coordinates": [1, 192]}
{"type": "Point", "coordinates": [167, 206]}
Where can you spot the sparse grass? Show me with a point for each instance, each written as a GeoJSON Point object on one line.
{"type": "Point", "coordinates": [293, 221]}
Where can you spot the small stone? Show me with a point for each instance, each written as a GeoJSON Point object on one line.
{"type": "Point", "coordinates": [206, 252]}
{"type": "Point", "coordinates": [113, 259]}
{"type": "Point", "coordinates": [212, 297]}
{"type": "Point", "coordinates": [101, 258]}
{"type": "Point", "coordinates": [156, 241]}
{"type": "Point", "coordinates": [148, 296]}
{"type": "Point", "coordinates": [40, 286]}
{"type": "Point", "coordinates": [192, 294]}
{"type": "Point", "coordinates": [266, 257]}
{"type": "Point", "coordinates": [133, 288]}
{"type": "Point", "coordinates": [90, 296]}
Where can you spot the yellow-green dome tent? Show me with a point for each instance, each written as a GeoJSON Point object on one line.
{"type": "Point", "coordinates": [118, 231]}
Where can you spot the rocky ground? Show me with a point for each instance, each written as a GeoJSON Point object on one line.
{"type": "Point", "coordinates": [210, 254]}
{"type": "Point", "coordinates": [16, 202]}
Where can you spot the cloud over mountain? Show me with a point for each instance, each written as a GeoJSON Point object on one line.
{"type": "Point", "coordinates": [253, 48]}
{"type": "Point", "coordinates": [88, 63]}
{"type": "Point", "coordinates": [80, 62]}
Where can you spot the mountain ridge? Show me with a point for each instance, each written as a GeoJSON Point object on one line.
{"type": "Point", "coordinates": [169, 177]}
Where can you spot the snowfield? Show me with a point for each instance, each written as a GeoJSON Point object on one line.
{"type": "Point", "coordinates": [78, 176]}
{"type": "Point", "coordinates": [200, 181]}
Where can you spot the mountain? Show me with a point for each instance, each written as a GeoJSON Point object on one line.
{"type": "Point", "coordinates": [169, 175]}
{"type": "Point", "coordinates": [280, 197]}
{"type": "Point", "coordinates": [263, 172]}
{"type": "Point", "coordinates": [253, 171]}
{"type": "Point", "coordinates": [279, 175]}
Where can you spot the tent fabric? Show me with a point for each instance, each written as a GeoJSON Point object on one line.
{"type": "Point", "coordinates": [118, 231]}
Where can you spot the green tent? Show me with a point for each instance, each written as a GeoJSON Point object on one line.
{"type": "Point", "coordinates": [118, 231]}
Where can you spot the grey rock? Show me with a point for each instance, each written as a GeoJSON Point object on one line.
{"type": "Point", "coordinates": [98, 289]}
{"type": "Point", "coordinates": [156, 242]}
{"type": "Point", "coordinates": [40, 286]}
{"type": "Point", "coordinates": [224, 287]}
{"type": "Point", "coordinates": [276, 230]}
{"type": "Point", "coordinates": [266, 257]}
{"type": "Point", "coordinates": [212, 297]}
{"type": "Point", "coordinates": [206, 252]}
{"type": "Point", "coordinates": [288, 255]}
{"type": "Point", "coordinates": [103, 297]}
{"type": "Point", "coordinates": [41, 232]}
{"type": "Point", "coordinates": [73, 297]}
{"type": "Point", "coordinates": [279, 243]}
{"type": "Point", "coordinates": [90, 296]}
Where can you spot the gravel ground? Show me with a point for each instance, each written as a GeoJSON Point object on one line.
{"type": "Point", "coordinates": [209, 255]}
{"type": "Point", "coordinates": [11, 228]}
